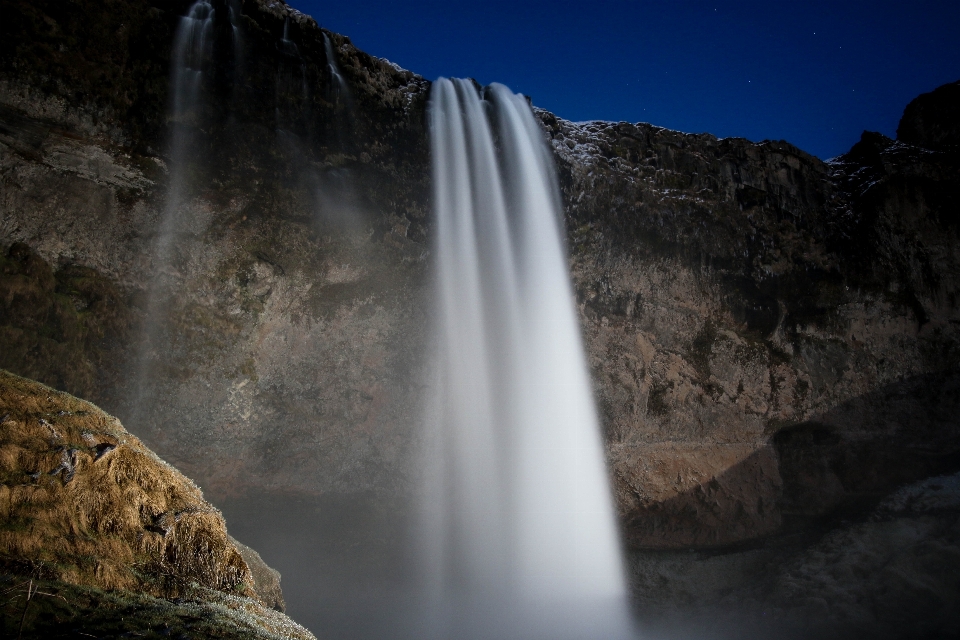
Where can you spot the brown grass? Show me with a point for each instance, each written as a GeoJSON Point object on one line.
{"type": "Point", "coordinates": [85, 502]}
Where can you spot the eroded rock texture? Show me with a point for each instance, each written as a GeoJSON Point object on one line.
{"type": "Point", "coordinates": [771, 336]}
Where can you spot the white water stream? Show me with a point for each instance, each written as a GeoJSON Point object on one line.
{"type": "Point", "coordinates": [339, 90]}
{"type": "Point", "coordinates": [519, 529]}
{"type": "Point", "coordinates": [191, 63]}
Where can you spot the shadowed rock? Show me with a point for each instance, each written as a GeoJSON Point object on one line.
{"type": "Point", "coordinates": [266, 580]}
{"type": "Point", "coordinates": [932, 120]}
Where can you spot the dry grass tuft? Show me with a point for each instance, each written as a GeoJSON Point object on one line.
{"type": "Point", "coordinates": [85, 502]}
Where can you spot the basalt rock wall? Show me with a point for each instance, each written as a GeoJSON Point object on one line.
{"type": "Point", "coordinates": [773, 338]}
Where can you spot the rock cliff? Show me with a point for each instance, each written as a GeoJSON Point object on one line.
{"type": "Point", "coordinates": [773, 337]}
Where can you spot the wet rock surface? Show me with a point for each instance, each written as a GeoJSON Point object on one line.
{"type": "Point", "coordinates": [773, 337]}
{"type": "Point", "coordinates": [892, 574]}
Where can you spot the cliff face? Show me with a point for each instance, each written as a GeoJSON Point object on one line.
{"type": "Point", "coordinates": [286, 347]}
{"type": "Point", "coordinates": [773, 338]}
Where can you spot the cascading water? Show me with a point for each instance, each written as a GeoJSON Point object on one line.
{"type": "Point", "coordinates": [519, 531]}
{"type": "Point", "coordinates": [336, 195]}
{"type": "Point", "coordinates": [192, 51]}
{"type": "Point", "coordinates": [291, 82]}
{"type": "Point", "coordinates": [339, 90]}
{"type": "Point", "coordinates": [192, 59]}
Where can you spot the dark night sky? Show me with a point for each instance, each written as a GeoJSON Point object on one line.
{"type": "Point", "coordinates": [813, 73]}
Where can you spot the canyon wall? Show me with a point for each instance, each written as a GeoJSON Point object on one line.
{"type": "Point", "coordinates": [293, 338]}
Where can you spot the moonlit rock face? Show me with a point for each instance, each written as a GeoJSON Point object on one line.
{"type": "Point", "coordinates": [520, 534]}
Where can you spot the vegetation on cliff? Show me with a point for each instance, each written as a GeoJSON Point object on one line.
{"type": "Point", "coordinates": [63, 327]}
{"type": "Point", "coordinates": [88, 512]}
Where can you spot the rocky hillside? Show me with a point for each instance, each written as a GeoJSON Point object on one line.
{"type": "Point", "coordinates": [88, 510]}
{"type": "Point", "coordinates": [890, 575]}
{"type": "Point", "coordinates": [773, 338]}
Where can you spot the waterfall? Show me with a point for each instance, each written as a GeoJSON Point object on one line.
{"type": "Point", "coordinates": [291, 93]}
{"type": "Point", "coordinates": [192, 63]}
{"type": "Point", "coordinates": [519, 531]}
{"type": "Point", "coordinates": [336, 195]}
{"type": "Point", "coordinates": [192, 49]}
{"type": "Point", "coordinates": [339, 91]}
{"type": "Point", "coordinates": [191, 56]}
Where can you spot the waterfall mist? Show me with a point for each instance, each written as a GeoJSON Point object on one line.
{"type": "Point", "coordinates": [519, 536]}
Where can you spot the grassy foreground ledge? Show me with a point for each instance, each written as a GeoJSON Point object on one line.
{"type": "Point", "coordinates": [100, 537]}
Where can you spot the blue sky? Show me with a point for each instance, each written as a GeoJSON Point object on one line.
{"type": "Point", "coordinates": [813, 73]}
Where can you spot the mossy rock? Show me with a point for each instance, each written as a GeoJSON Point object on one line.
{"type": "Point", "coordinates": [61, 610]}
{"type": "Point", "coordinates": [91, 505]}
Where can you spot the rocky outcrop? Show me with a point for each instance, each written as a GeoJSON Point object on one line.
{"type": "Point", "coordinates": [266, 580]}
{"type": "Point", "coordinates": [84, 503]}
{"type": "Point", "coordinates": [932, 120]}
